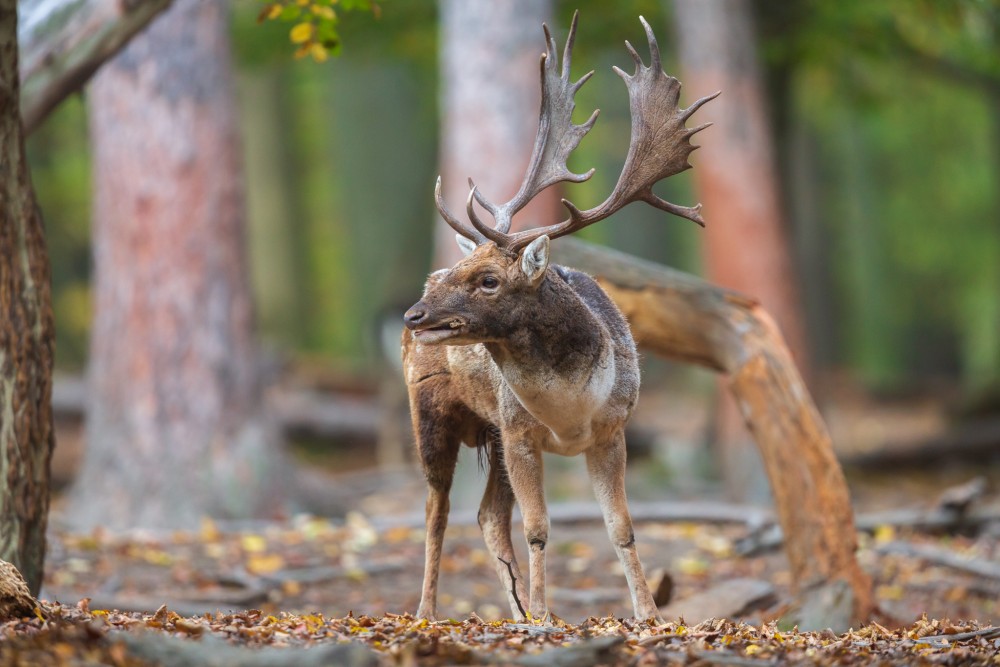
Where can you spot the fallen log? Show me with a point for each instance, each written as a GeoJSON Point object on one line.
{"type": "Point", "coordinates": [970, 441]}
{"type": "Point", "coordinates": [938, 556]}
{"type": "Point", "coordinates": [298, 412]}
{"type": "Point", "coordinates": [569, 514]}
{"type": "Point", "coordinates": [684, 318]}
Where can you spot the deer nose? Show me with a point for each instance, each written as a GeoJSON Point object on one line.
{"type": "Point", "coordinates": [415, 315]}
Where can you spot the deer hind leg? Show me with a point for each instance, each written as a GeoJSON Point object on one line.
{"type": "Point", "coordinates": [438, 442]}
{"type": "Point", "coordinates": [524, 469]}
{"type": "Point", "coordinates": [606, 465]}
{"type": "Point", "coordinates": [494, 520]}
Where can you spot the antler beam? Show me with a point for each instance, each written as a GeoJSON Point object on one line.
{"type": "Point", "coordinates": [659, 148]}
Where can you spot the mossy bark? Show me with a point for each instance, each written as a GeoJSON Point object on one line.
{"type": "Point", "coordinates": [26, 335]}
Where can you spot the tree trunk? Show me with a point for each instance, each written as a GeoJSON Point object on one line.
{"type": "Point", "coordinates": [489, 106]}
{"type": "Point", "coordinates": [174, 424]}
{"type": "Point", "coordinates": [744, 244]}
{"type": "Point", "coordinates": [27, 333]}
{"type": "Point", "coordinates": [686, 319]}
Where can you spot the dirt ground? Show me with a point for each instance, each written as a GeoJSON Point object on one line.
{"type": "Point", "coordinates": [372, 564]}
{"type": "Point", "coordinates": [307, 580]}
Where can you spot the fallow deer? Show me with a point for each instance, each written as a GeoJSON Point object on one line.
{"type": "Point", "coordinates": [509, 353]}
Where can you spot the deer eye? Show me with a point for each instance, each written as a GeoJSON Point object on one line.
{"type": "Point", "coordinates": [489, 282]}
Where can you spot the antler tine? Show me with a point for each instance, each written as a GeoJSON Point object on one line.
{"type": "Point", "coordinates": [452, 221]}
{"type": "Point", "coordinates": [568, 47]}
{"type": "Point", "coordinates": [687, 113]}
{"type": "Point", "coordinates": [492, 234]}
{"type": "Point", "coordinates": [659, 148]}
{"type": "Point", "coordinates": [692, 213]}
{"type": "Point", "coordinates": [654, 48]}
{"type": "Point", "coordinates": [557, 135]}
{"type": "Point", "coordinates": [635, 58]}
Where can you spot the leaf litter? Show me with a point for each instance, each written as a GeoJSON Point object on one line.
{"type": "Point", "coordinates": [312, 591]}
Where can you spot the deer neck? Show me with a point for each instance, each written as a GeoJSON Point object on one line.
{"type": "Point", "coordinates": [556, 360]}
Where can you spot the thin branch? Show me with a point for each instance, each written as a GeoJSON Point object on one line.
{"type": "Point", "coordinates": [513, 588]}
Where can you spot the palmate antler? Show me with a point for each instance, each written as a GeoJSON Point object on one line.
{"type": "Point", "coordinates": [660, 146]}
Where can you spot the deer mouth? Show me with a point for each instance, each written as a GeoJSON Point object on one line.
{"type": "Point", "coordinates": [439, 332]}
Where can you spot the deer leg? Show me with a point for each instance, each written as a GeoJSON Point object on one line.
{"type": "Point", "coordinates": [606, 464]}
{"type": "Point", "coordinates": [494, 520]}
{"type": "Point", "coordinates": [438, 447]}
{"type": "Point", "coordinates": [524, 469]}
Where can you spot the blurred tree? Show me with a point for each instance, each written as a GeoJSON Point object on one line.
{"type": "Point", "coordinates": [489, 80]}
{"type": "Point", "coordinates": [26, 334]}
{"type": "Point", "coordinates": [906, 194]}
{"type": "Point", "coordinates": [745, 241]}
{"type": "Point", "coordinates": [175, 428]}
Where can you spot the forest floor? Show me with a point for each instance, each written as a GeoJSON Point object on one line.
{"type": "Point", "coordinates": [347, 589]}
{"type": "Point", "coordinates": [310, 590]}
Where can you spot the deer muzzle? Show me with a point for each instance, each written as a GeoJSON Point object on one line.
{"type": "Point", "coordinates": [428, 329]}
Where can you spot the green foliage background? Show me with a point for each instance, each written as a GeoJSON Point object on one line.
{"type": "Point", "coordinates": [887, 117]}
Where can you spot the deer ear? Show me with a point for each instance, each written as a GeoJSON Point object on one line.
{"type": "Point", "coordinates": [466, 245]}
{"type": "Point", "coordinates": [535, 258]}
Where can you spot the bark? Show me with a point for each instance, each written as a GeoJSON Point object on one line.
{"type": "Point", "coordinates": [686, 319]}
{"type": "Point", "coordinates": [16, 601]}
{"type": "Point", "coordinates": [489, 106]}
{"type": "Point", "coordinates": [745, 246]}
{"type": "Point", "coordinates": [174, 426]}
{"type": "Point", "coordinates": [26, 335]}
{"type": "Point", "coordinates": [63, 42]}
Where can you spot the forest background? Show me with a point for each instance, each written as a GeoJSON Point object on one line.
{"type": "Point", "coordinates": [885, 117]}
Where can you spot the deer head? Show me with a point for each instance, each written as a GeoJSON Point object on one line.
{"type": "Point", "coordinates": [474, 301]}
{"type": "Point", "coordinates": [470, 302]}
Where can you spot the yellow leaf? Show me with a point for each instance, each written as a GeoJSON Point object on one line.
{"type": "Point", "coordinates": [301, 33]}
{"type": "Point", "coordinates": [691, 565]}
{"type": "Point", "coordinates": [265, 564]}
{"type": "Point", "coordinates": [318, 52]}
{"type": "Point", "coordinates": [274, 12]}
{"type": "Point", "coordinates": [253, 543]}
{"type": "Point", "coordinates": [209, 531]}
{"type": "Point", "coordinates": [397, 534]}
{"type": "Point", "coordinates": [325, 12]}
{"type": "Point", "coordinates": [303, 3]}
{"type": "Point", "coordinates": [885, 534]}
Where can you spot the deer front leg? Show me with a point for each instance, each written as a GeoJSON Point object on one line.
{"type": "Point", "coordinates": [524, 469]}
{"type": "Point", "coordinates": [438, 448]}
{"type": "Point", "coordinates": [606, 465]}
{"type": "Point", "coordinates": [494, 520]}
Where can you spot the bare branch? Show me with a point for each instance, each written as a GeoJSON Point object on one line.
{"type": "Point", "coordinates": [63, 42]}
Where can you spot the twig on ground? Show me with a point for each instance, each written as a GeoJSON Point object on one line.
{"type": "Point", "coordinates": [513, 588]}
{"type": "Point", "coordinates": [982, 633]}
